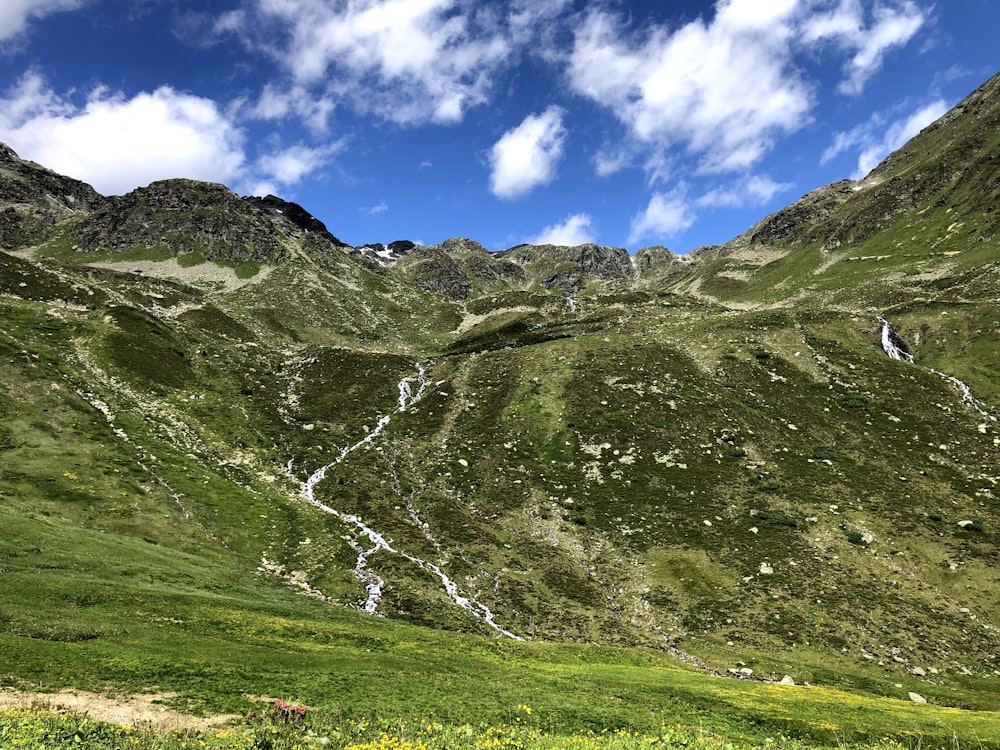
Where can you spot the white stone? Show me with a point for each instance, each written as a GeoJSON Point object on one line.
{"type": "Point", "coordinates": [917, 698]}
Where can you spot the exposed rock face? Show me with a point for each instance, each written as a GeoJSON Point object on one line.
{"type": "Point", "coordinates": [184, 216]}
{"type": "Point", "coordinates": [384, 254]}
{"type": "Point", "coordinates": [595, 261]}
{"type": "Point", "coordinates": [434, 270]}
{"type": "Point", "coordinates": [458, 266]}
{"type": "Point", "coordinates": [569, 269]}
{"type": "Point", "coordinates": [657, 261]}
{"type": "Point", "coordinates": [294, 214]}
{"type": "Point", "coordinates": [488, 268]}
{"type": "Point", "coordinates": [34, 200]}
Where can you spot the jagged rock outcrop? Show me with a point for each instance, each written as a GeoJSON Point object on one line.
{"type": "Point", "coordinates": [184, 216]}
{"type": "Point", "coordinates": [457, 267]}
{"type": "Point", "coordinates": [658, 262]}
{"type": "Point", "coordinates": [294, 214]}
{"type": "Point", "coordinates": [596, 261]}
{"type": "Point", "coordinates": [569, 269]}
{"type": "Point", "coordinates": [34, 200]}
{"type": "Point", "coordinates": [384, 254]}
{"type": "Point", "coordinates": [434, 270]}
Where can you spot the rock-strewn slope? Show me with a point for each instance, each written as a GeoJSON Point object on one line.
{"type": "Point", "coordinates": [184, 216]}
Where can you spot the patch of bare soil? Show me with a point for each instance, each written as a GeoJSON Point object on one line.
{"type": "Point", "coordinates": [207, 274]}
{"type": "Point", "coordinates": [131, 710]}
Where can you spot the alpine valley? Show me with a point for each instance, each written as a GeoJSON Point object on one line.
{"type": "Point", "coordinates": [239, 457]}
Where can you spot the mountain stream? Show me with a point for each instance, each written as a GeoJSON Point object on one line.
{"type": "Point", "coordinates": [894, 351]}
{"type": "Point", "coordinates": [372, 582]}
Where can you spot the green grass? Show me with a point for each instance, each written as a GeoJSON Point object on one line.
{"type": "Point", "coordinates": [189, 260]}
{"type": "Point", "coordinates": [285, 726]}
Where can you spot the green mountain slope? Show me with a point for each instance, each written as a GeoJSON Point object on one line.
{"type": "Point", "coordinates": [232, 427]}
{"type": "Point", "coordinates": [923, 224]}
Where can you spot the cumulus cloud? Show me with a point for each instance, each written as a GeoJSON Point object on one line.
{"type": "Point", "coordinates": [408, 61]}
{"type": "Point", "coordinates": [526, 156]}
{"type": "Point", "coordinates": [725, 88]}
{"type": "Point", "coordinates": [722, 89]}
{"type": "Point", "coordinates": [17, 13]}
{"type": "Point", "coordinates": [666, 215]}
{"type": "Point", "coordinates": [117, 143]}
{"type": "Point", "coordinates": [877, 138]}
{"type": "Point", "coordinates": [576, 230]}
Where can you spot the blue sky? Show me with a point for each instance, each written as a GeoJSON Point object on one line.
{"type": "Point", "coordinates": [622, 122]}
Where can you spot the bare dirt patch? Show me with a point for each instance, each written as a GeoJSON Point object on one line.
{"type": "Point", "coordinates": [207, 274]}
{"type": "Point", "coordinates": [129, 710]}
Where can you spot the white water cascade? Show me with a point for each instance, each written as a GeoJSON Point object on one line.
{"type": "Point", "coordinates": [572, 304]}
{"type": "Point", "coordinates": [373, 583]}
{"type": "Point", "coordinates": [967, 397]}
{"type": "Point", "coordinates": [894, 352]}
{"type": "Point", "coordinates": [889, 346]}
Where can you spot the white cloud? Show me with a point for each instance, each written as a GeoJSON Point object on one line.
{"type": "Point", "coordinates": [275, 103]}
{"type": "Point", "coordinates": [289, 166]}
{"type": "Point", "coordinates": [725, 88]}
{"type": "Point", "coordinates": [16, 14]}
{"type": "Point", "coordinates": [757, 190]}
{"type": "Point", "coordinates": [376, 210]}
{"type": "Point", "coordinates": [575, 230]}
{"type": "Point", "coordinates": [895, 22]}
{"type": "Point", "coordinates": [877, 138]}
{"type": "Point", "coordinates": [117, 143]}
{"type": "Point", "coordinates": [666, 215]}
{"type": "Point", "coordinates": [408, 61]}
{"type": "Point", "coordinates": [526, 156]}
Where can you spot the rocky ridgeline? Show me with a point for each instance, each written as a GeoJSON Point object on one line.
{"type": "Point", "coordinates": [460, 267]}
{"type": "Point", "coordinates": [950, 164]}
{"type": "Point", "coordinates": [187, 216]}
{"type": "Point", "coordinates": [34, 200]}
